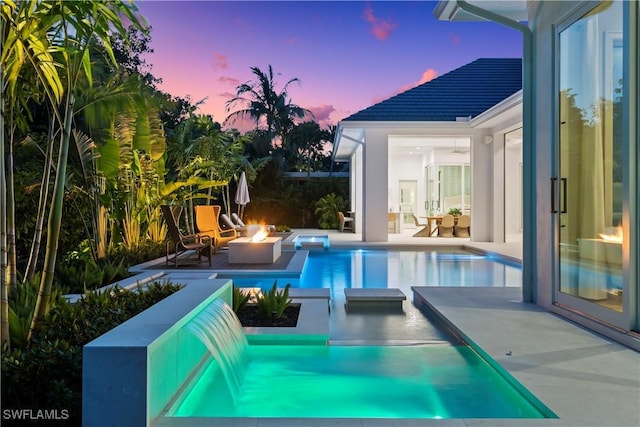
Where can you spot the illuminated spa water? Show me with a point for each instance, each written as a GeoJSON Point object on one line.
{"type": "Point", "coordinates": [426, 381]}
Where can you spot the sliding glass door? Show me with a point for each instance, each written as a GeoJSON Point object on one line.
{"type": "Point", "coordinates": [588, 188]}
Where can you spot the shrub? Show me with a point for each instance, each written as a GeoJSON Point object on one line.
{"type": "Point", "coordinates": [22, 303]}
{"type": "Point", "coordinates": [80, 275]}
{"type": "Point", "coordinates": [273, 303]}
{"type": "Point", "coordinates": [47, 373]}
{"type": "Point", "coordinates": [327, 209]}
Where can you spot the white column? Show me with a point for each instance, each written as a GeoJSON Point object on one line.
{"type": "Point", "coordinates": [497, 151]}
{"type": "Point", "coordinates": [375, 176]}
{"type": "Point", "coordinates": [481, 189]}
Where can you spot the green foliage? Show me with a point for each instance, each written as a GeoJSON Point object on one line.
{"type": "Point", "coordinates": [48, 372]}
{"type": "Point", "coordinates": [240, 299]}
{"type": "Point", "coordinates": [454, 212]}
{"type": "Point", "coordinates": [21, 305]}
{"type": "Point", "coordinates": [283, 228]}
{"type": "Point", "coordinates": [272, 304]}
{"type": "Point", "coordinates": [327, 209]}
{"type": "Point", "coordinates": [80, 275]}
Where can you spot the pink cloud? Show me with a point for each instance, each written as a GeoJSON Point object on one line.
{"type": "Point", "coordinates": [227, 95]}
{"type": "Point", "coordinates": [220, 61]}
{"type": "Point", "coordinates": [380, 28]}
{"type": "Point", "coordinates": [243, 124]}
{"type": "Point", "coordinates": [228, 81]}
{"type": "Point", "coordinates": [455, 39]}
{"type": "Point", "coordinates": [293, 40]}
{"type": "Point", "coordinates": [427, 76]}
{"type": "Point", "coordinates": [322, 114]}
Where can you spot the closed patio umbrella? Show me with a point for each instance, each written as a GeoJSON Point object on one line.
{"type": "Point", "coordinates": [242, 194]}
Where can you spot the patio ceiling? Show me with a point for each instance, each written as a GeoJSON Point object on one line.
{"type": "Point", "coordinates": [418, 145]}
{"type": "Point", "coordinates": [450, 10]}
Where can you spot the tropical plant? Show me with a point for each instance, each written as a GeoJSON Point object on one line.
{"type": "Point", "coordinates": [21, 305]}
{"type": "Point", "coordinates": [454, 212]}
{"type": "Point", "coordinates": [273, 304]}
{"type": "Point", "coordinates": [28, 71]}
{"type": "Point", "coordinates": [327, 209]}
{"type": "Point", "coordinates": [240, 299]}
{"type": "Point", "coordinates": [259, 101]}
{"type": "Point", "coordinates": [74, 38]}
{"type": "Point", "coordinates": [306, 147]}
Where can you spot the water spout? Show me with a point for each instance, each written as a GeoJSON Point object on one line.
{"type": "Point", "coordinates": [219, 329]}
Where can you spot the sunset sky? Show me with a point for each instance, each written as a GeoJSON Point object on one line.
{"type": "Point", "coordinates": [348, 55]}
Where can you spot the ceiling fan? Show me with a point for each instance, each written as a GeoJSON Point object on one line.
{"type": "Point", "coordinates": [457, 150]}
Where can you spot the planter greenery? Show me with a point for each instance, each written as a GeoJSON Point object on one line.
{"type": "Point", "coordinates": [272, 304]}
{"type": "Point", "coordinates": [454, 212]}
{"type": "Point", "coordinates": [47, 372]}
{"type": "Point", "coordinates": [240, 299]}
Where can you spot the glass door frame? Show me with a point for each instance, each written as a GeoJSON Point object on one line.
{"type": "Point", "coordinates": [404, 221]}
{"type": "Point", "coordinates": [627, 319]}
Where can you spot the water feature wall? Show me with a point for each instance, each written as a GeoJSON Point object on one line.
{"type": "Point", "coordinates": [132, 372]}
{"type": "Point", "coordinates": [219, 329]}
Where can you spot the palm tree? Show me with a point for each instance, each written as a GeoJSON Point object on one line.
{"type": "Point", "coordinates": [260, 102]}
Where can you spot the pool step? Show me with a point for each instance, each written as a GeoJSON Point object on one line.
{"type": "Point", "coordinates": [310, 293]}
{"type": "Point", "coordinates": [374, 298]}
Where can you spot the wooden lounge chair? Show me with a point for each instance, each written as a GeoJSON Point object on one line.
{"type": "Point", "coordinates": [344, 222]}
{"type": "Point", "coordinates": [445, 228]}
{"type": "Point", "coordinates": [207, 224]}
{"type": "Point", "coordinates": [228, 224]}
{"type": "Point", "coordinates": [461, 229]}
{"type": "Point", "coordinates": [236, 219]}
{"type": "Point", "coordinates": [182, 243]}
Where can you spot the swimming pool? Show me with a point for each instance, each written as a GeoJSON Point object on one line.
{"type": "Point", "coordinates": [419, 371]}
{"type": "Point", "coordinates": [429, 381]}
{"type": "Point", "coordinates": [337, 269]}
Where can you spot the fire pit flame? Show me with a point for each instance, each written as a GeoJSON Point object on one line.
{"type": "Point", "coordinates": [260, 235]}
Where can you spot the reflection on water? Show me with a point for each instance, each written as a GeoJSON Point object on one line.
{"type": "Point", "coordinates": [402, 269]}
{"type": "Point", "coordinates": [379, 268]}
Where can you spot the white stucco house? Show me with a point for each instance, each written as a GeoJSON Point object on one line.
{"type": "Point", "coordinates": [447, 143]}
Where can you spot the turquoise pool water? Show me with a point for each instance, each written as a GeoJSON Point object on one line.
{"type": "Point", "coordinates": [337, 269]}
{"type": "Point", "coordinates": [427, 381]}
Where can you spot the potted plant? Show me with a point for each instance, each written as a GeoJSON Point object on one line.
{"type": "Point", "coordinates": [454, 212]}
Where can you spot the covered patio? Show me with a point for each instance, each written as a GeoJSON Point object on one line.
{"type": "Point", "coordinates": [453, 142]}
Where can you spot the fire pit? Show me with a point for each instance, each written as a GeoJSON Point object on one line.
{"type": "Point", "coordinates": [259, 249]}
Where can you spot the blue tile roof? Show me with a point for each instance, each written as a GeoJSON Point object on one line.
{"type": "Point", "coordinates": [463, 92]}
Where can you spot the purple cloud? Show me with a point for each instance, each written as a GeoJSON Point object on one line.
{"type": "Point", "coordinates": [380, 28]}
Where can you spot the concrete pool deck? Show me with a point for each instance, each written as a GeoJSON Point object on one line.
{"type": "Point", "coordinates": [587, 380]}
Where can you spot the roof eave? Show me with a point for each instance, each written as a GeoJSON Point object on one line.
{"type": "Point", "coordinates": [504, 106]}
{"type": "Point", "coordinates": [403, 124]}
{"type": "Point", "coordinates": [450, 10]}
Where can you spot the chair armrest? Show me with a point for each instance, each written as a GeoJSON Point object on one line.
{"type": "Point", "coordinates": [208, 240]}
{"type": "Point", "coordinates": [227, 233]}
{"type": "Point", "coordinates": [196, 238]}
